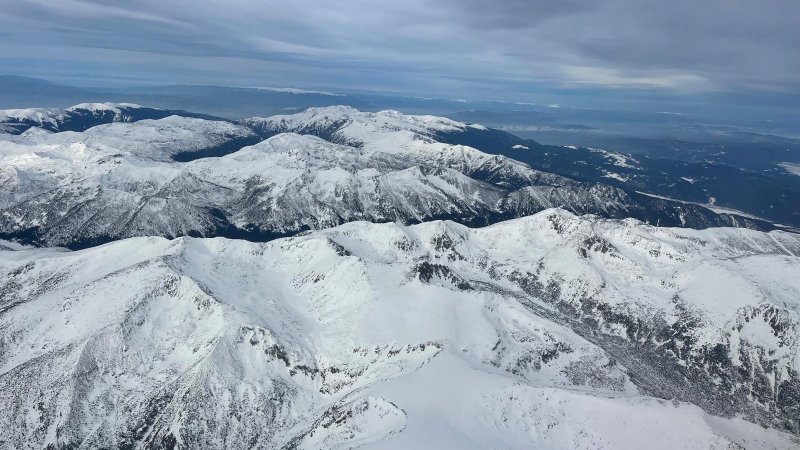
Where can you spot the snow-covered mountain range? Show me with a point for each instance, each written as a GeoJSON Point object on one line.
{"type": "Point", "coordinates": [81, 117]}
{"type": "Point", "coordinates": [179, 176]}
{"type": "Point", "coordinates": [549, 331]}
{"type": "Point", "coordinates": [342, 279]}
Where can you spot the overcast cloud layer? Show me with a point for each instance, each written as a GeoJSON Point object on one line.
{"type": "Point", "coordinates": [471, 48]}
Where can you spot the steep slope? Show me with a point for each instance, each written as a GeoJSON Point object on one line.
{"type": "Point", "coordinates": [130, 179]}
{"type": "Point", "coordinates": [513, 335]}
{"type": "Point", "coordinates": [395, 130]}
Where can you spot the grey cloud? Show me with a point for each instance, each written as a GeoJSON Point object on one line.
{"type": "Point", "coordinates": [678, 45]}
{"type": "Point", "coordinates": [517, 14]}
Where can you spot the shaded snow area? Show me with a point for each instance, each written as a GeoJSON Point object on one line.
{"type": "Point", "coordinates": [549, 331]}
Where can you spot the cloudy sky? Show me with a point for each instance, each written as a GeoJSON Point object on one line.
{"type": "Point", "coordinates": [466, 48]}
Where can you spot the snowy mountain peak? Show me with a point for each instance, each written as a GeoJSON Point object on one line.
{"type": "Point", "coordinates": [80, 117]}
{"type": "Point", "coordinates": [371, 279]}
{"type": "Point", "coordinates": [106, 106]}
{"type": "Point", "coordinates": [367, 335]}
{"type": "Point", "coordinates": [51, 116]}
{"type": "Point", "coordinates": [330, 112]}
{"type": "Point", "coordinates": [286, 141]}
{"type": "Point", "coordinates": [177, 175]}
{"type": "Point", "coordinates": [348, 125]}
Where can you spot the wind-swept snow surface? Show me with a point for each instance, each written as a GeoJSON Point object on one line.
{"type": "Point", "coordinates": [550, 331]}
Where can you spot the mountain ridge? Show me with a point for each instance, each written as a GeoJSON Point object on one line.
{"type": "Point", "coordinates": [179, 176]}
{"type": "Point", "coordinates": [311, 337]}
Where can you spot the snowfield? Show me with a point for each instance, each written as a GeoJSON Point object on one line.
{"type": "Point", "coordinates": [550, 331]}
{"type": "Point", "coordinates": [365, 280]}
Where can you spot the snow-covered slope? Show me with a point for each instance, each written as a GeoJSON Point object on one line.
{"type": "Point", "coordinates": [122, 180]}
{"type": "Point", "coordinates": [550, 331]}
{"type": "Point", "coordinates": [395, 131]}
{"type": "Point", "coordinates": [167, 177]}
{"type": "Point", "coordinates": [167, 139]}
{"type": "Point", "coordinates": [347, 125]}
{"type": "Point", "coordinates": [80, 117]}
